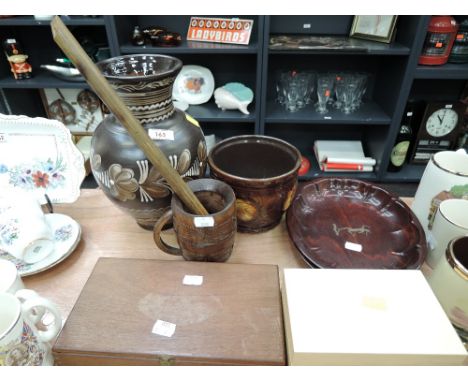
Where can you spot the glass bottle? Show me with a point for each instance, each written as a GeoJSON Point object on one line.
{"type": "Point", "coordinates": [402, 143]}
{"type": "Point", "coordinates": [138, 38]}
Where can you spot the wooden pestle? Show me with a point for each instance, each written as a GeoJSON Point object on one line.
{"type": "Point", "coordinates": [70, 46]}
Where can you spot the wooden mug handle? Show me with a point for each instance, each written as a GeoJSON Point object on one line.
{"type": "Point", "coordinates": [163, 220]}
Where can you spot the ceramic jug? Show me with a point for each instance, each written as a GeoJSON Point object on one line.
{"type": "Point", "coordinates": [445, 177]}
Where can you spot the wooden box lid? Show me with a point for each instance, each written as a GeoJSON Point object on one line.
{"type": "Point", "coordinates": [233, 318]}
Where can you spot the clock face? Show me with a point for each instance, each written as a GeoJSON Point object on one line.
{"type": "Point", "coordinates": [441, 122]}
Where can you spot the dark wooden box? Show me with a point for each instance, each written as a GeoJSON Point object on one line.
{"type": "Point", "coordinates": [233, 318]}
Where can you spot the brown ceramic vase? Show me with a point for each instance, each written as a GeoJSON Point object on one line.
{"type": "Point", "coordinates": [263, 172]}
{"type": "Point", "coordinates": [144, 82]}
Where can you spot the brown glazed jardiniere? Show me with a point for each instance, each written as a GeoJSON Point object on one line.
{"type": "Point", "coordinates": [202, 238]}
{"type": "Point", "coordinates": [263, 172]}
{"type": "Point", "coordinates": [121, 169]}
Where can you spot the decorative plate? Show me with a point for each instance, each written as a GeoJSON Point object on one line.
{"type": "Point", "coordinates": [347, 223]}
{"type": "Point", "coordinates": [37, 155]}
{"type": "Point", "coordinates": [67, 235]}
{"type": "Point", "coordinates": [63, 73]}
{"type": "Point", "coordinates": [194, 85]}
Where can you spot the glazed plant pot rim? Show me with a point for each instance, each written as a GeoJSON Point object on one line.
{"type": "Point", "coordinates": [254, 182]}
{"type": "Point", "coordinates": [103, 64]}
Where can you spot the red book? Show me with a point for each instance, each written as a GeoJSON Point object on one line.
{"type": "Point", "coordinates": [345, 167]}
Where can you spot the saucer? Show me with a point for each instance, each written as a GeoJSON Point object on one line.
{"type": "Point", "coordinates": [67, 235]}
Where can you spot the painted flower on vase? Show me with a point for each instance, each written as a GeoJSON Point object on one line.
{"type": "Point", "coordinates": [123, 185]}
{"type": "Point", "coordinates": [155, 185]}
{"type": "Point", "coordinates": [183, 163]}
{"type": "Point", "coordinates": [96, 162]}
{"type": "Point", "coordinates": [202, 156]}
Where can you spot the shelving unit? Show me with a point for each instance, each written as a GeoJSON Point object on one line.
{"type": "Point", "coordinates": [370, 113]}
{"type": "Point", "coordinates": [228, 63]}
{"type": "Point", "coordinates": [427, 83]}
{"type": "Point", "coordinates": [447, 72]}
{"type": "Point", "coordinates": [72, 20]}
{"type": "Point", "coordinates": [395, 77]}
{"type": "Point", "coordinates": [192, 47]}
{"type": "Point", "coordinates": [409, 173]}
{"type": "Point", "coordinates": [377, 120]}
{"type": "Point", "coordinates": [209, 112]}
{"type": "Point", "coordinates": [369, 48]}
{"type": "Point", "coordinates": [41, 79]}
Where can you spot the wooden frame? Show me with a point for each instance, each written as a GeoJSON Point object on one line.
{"type": "Point", "coordinates": [85, 122]}
{"type": "Point", "coordinates": [374, 27]}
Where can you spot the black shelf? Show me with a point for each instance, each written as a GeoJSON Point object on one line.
{"type": "Point", "coordinates": [210, 112]}
{"type": "Point", "coordinates": [315, 172]}
{"type": "Point", "coordinates": [40, 80]}
{"type": "Point", "coordinates": [447, 71]}
{"type": "Point", "coordinates": [368, 48]}
{"type": "Point", "coordinates": [409, 173]}
{"type": "Point", "coordinates": [395, 78]}
{"type": "Point", "coordinates": [368, 114]}
{"type": "Point", "coordinates": [30, 21]}
{"type": "Point", "coordinates": [192, 47]}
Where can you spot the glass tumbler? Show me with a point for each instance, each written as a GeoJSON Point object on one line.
{"type": "Point", "coordinates": [324, 92]}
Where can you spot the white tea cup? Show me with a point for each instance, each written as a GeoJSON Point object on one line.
{"type": "Point", "coordinates": [449, 281]}
{"type": "Point", "coordinates": [10, 280]}
{"type": "Point", "coordinates": [451, 220]}
{"type": "Point", "coordinates": [24, 232]}
{"type": "Point", "coordinates": [21, 342]}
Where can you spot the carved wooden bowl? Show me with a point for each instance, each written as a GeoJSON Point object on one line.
{"type": "Point", "coordinates": [347, 223]}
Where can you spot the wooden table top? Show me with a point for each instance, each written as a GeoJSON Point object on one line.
{"type": "Point", "coordinates": [109, 232]}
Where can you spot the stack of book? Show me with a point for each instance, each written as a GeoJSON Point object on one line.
{"type": "Point", "coordinates": [343, 156]}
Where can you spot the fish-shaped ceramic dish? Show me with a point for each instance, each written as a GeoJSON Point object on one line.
{"type": "Point", "coordinates": [232, 96]}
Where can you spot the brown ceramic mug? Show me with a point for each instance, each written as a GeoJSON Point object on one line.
{"type": "Point", "coordinates": [263, 172]}
{"type": "Point", "coordinates": [202, 238]}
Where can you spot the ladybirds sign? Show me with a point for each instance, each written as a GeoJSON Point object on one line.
{"type": "Point", "coordinates": [226, 31]}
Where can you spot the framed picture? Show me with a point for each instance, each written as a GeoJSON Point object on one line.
{"type": "Point", "coordinates": [375, 28]}
{"type": "Point", "coordinates": [80, 110]}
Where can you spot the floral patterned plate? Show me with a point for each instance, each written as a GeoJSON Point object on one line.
{"type": "Point", "coordinates": [67, 235]}
{"type": "Point", "coordinates": [37, 155]}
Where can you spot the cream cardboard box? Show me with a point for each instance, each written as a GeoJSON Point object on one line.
{"type": "Point", "coordinates": [366, 317]}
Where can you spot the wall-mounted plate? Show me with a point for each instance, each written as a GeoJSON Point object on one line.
{"type": "Point", "coordinates": [37, 155]}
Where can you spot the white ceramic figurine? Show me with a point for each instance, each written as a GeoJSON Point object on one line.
{"type": "Point", "coordinates": [233, 95]}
